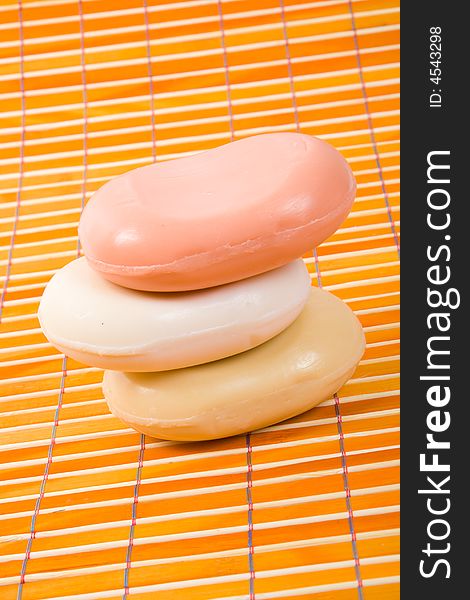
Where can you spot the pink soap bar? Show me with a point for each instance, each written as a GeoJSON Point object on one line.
{"type": "Point", "coordinates": [218, 216]}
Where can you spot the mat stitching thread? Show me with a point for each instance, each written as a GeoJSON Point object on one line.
{"type": "Point", "coordinates": [150, 75]}
{"type": "Point", "coordinates": [320, 285]}
{"type": "Point", "coordinates": [21, 165]}
{"type": "Point", "coordinates": [371, 126]}
{"type": "Point", "coordinates": [249, 449]}
{"type": "Point", "coordinates": [85, 110]}
{"type": "Point", "coordinates": [55, 426]}
{"type": "Point", "coordinates": [289, 66]}
{"type": "Point", "coordinates": [357, 564]}
{"type": "Point", "coordinates": [64, 362]}
{"type": "Point", "coordinates": [138, 480]}
{"type": "Point", "coordinates": [42, 488]}
{"type": "Point", "coordinates": [249, 499]}
{"type": "Point", "coordinates": [226, 69]}
{"type": "Point", "coordinates": [290, 73]}
{"type": "Point", "coordinates": [142, 436]}
{"type": "Point", "coordinates": [347, 489]}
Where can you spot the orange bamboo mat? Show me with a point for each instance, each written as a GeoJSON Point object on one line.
{"type": "Point", "coordinates": [89, 509]}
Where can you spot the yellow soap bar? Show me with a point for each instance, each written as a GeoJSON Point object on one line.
{"type": "Point", "coordinates": [287, 375]}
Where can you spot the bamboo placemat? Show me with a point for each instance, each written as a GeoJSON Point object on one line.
{"type": "Point", "coordinates": [89, 508]}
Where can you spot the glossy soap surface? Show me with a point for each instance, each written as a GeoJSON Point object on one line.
{"type": "Point", "coordinates": [289, 374]}
{"type": "Point", "coordinates": [218, 216]}
{"type": "Point", "coordinates": [105, 325]}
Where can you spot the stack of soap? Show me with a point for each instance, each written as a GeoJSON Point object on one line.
{"type": "Point", "coordinates": [192, 294]}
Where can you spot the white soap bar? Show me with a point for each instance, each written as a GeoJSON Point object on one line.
{"type": "Point", "coordinates": [104, 325]}
{"type": "Point", "coordinates": [289, 374]}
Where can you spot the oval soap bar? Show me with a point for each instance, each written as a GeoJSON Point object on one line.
{"type": "Point", "coordinates": [289, 374]}
{"type": "Point", "coordinates": [218, 216]}
{"type": "Point", "coordinates": [105, 325]}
